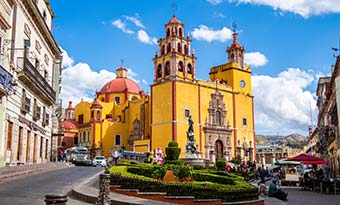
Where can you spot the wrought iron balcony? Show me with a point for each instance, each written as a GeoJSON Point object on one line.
{"type": "Point", "coordinates": [29, 75]}
{"type": "Point", "coordinates": [7, 82]}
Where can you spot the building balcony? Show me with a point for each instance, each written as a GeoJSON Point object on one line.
{"type": "Point", "coordinates": [7, 82]}
{"type": "Point", "coordinates": [329, 134]}
{"type": "Point", "coordinates": [32, 79]}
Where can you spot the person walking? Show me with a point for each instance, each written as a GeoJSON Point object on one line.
{"type": "Point", "coordinates": [116, 156]}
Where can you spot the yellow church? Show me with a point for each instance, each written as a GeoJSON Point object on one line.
{"type": "Point", "coordinates": [222, 108]}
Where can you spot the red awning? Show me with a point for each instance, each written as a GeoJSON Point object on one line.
{"type": "Point", "coordinates": [308, 159]}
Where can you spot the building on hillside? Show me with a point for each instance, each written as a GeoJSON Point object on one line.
{"type": "Point", "coordinates": [328, 141]}
{"type": "Point", "coordinates": [221, 108]}
{"type": "Point", "coordinates": [33, 60]}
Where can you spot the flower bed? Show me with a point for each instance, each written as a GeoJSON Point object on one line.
{"type": "Point", "coordinates": [237, 191]}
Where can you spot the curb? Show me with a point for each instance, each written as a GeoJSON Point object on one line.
{"type": "Point", "coordinates": [31, 170]}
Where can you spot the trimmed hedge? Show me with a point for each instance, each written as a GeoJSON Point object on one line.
{"type": "Point", "coordinates": [240, 191]}
{"type": "Point", "coordinates": [220, 164]}
{"type": "Point", "coordinates": [172, 151]}
{"type": "Point", "coordinates": [199, 191]}
{"type": "Point", "coordinates": [201, 177]}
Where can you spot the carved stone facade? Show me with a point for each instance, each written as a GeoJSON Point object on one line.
{"type": "Point", "coordinates": [217, 132]}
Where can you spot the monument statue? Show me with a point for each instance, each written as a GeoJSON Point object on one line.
{"type": "Point", "coordinates": [190, 147]}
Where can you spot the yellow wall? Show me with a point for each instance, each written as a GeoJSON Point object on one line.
{"type": "Point", "coordinates": [162, 115]}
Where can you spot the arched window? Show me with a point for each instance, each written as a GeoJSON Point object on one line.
{"type": "Point", "coordinates": [168, 49]}
{"type": "Point", "coordinates": [186, 52]}
{"type": "Point", "coordinates": [218, 118]}
{"type": "Point", "coordinates": [98, 115]}
{"type": "Point", "coordinates": [103, 99]}
{"type": "Point", "coordinates": [159, 71]}
{"type": "Point", "coordinates": [168, 32]}
{"type": "Point", "coordinates": [189, 68]}
{"type": "Point", "coordinates": [180, 66]}
{"type": "Point", "coordinates": [162, 50]}
{"type": "Point", "coordinates": [167, 68]}
{"type": "Point", "coordinates": [179, 48]}
{"type": "Point", "coordinates": [180, 32]}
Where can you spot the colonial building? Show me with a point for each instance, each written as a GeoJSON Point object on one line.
{"type": "Point", "coordinates": [33, 59]}
{"type": "Point", "coordinates": [221, 108]}
{"type": "Point", "coordinates": [327, 131]}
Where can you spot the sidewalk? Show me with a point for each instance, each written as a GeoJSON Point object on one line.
{"type": "Point", "coordinates": [86, 191]}
{"type": "Point", "coordinates": [20, 170]}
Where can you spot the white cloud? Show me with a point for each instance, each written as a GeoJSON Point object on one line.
{"type": "Point", "coordinates": [145, 38]}
{"type": "Point", "coordinates": [144, 82]}
{"type": "Point", "coordinates": [215, 1]}
{"type": "Point", "coordinates": [122, 26]}
{"type": "Point", "coordinates": [67, 60]}
{"type": "Point", "coordinates": [205, 33]}
{"type": "Point", "coordinates": [304, 8]}
{"type": "Point", "coordinates": [255, 59]}
{"type": "Point", "coordinates": [282, 103]}
{"type": "Point", "coordinates": [135, 20]}
{"type": "Point", "coordinates": [80, 81]}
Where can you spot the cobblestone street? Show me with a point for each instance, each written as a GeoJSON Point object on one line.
{"type": "Point", "coordinates": [31, 189]}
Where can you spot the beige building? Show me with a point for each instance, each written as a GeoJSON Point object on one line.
{"type": "Point", "coordinates": [32, 58]}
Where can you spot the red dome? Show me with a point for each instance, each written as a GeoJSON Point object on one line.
{"type": "Point", "coordinates": [68, 125]}
{"type": "Point", "coordinates": [119, 85]}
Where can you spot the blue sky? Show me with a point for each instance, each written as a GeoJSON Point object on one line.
{"type": "Point", "coordinates": [288, 45]}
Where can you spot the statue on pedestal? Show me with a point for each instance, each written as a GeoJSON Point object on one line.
{"type": "Point", "coordinates": [190, 146]}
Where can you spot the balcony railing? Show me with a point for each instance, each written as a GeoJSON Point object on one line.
{"type": "Point", "coordinates": [7, 82]}
{"type": "Point", "coordinates": [29, 75]}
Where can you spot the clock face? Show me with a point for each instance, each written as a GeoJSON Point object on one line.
{"type": "Point", "coordinates": [242, 83]}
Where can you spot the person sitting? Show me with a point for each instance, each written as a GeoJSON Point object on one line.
{"type": "Point", "coordinates": [276, 192]}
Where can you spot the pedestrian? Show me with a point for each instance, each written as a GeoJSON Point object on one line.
{"type": "Point", "coordinates": [275, 191]}
{"type": "Point", "coordinates": [116, 156]}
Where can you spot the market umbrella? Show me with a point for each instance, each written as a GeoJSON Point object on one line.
{"type": "Point", "coordinates": [307, 159]}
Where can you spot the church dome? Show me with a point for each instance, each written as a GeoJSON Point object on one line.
{"type": "Point", "coordinates": [120, 84]}
{"type": "Point", "coordinates": [68, 125]}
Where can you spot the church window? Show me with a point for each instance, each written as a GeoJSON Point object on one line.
{"type": "Point", "coordinates": [232, 57]}
{"type": "Point", "coordinates": [180, 66]}
{"type": "Point", "coordinates": [179, 48]}
{"type": "Point", "coordinates": [103, 99]}
{"type": "Point", "coordinates": [168, 32]}
{"type": "Point", "coordinates": [81, 119]}
{"type": "Point", "coordinates": [118, 140]}
{"type": "Point", "coordinates": [218, 118]}
{"type": "Point", "coordinates": [180, 32]}
{"type": "Point", "coordinates": [162, 50]}
{"type": "Point", "coordinates": [88, 136]}
{"type": "Point", "coordinates": [108, 116]}
{"type": "Point", "coordinates": [168, 49]}
{"type": "Point", "coordinates": [92, 115]}
{"type": "Point", "coordinates": [244, 121]}
{"type": "Point", "coordinates": [80, 137]}
{"type": "Point", "coordinates": [167, 68]}
{"type": "Point", "coordinates": [189, 68]}
{"type": "Point", "coordinates": [186, 113]}
{"type": "Point", "coordinates": [84, 136]}
{"type": "Point", "coordinates": [117, 100]}
{"type": "Point", "coordinates": [159, 71]}
{"type": "Point", "coordinates": [186, 52]}
{"type": "Point", "coordinates": [134, 98]}
{"type": "Point", "coordinates": [98, 115]}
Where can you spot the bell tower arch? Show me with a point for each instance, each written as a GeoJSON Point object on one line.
{"type": "Point", "coordinates": [174, 58]}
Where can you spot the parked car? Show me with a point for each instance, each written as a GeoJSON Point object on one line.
{"type": "Point", "coordinates": [99, 161]}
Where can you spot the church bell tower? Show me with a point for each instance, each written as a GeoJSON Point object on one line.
{"type": "Point", "coordinates": [174, 59]}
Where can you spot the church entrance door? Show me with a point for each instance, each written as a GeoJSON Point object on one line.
{"type": "Point", "coordinates": [218, 149]}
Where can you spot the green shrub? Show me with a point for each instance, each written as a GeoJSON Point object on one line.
{"type": "Point", "coordinates": [197, 167]}
{"type": "Point", "coordinates": [182, 172]}
{"type": "Point", "coordinates": [241, 191]}
{"type": "Point", "coordinates": [173, 144]}
{"type": "Point", "coordinates": [174, 162]}
{"type": "Point", "coordinates": [220, 164]}
{"type": "Point", "coordinates": [202, 177]}
{"type": "Point", "coordinates": [236, 160]}
{"type": "Point", "coordinates": [172, 151]}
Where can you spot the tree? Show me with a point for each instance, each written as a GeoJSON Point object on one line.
{"type": "Point", "coordinates": [236, 160]}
